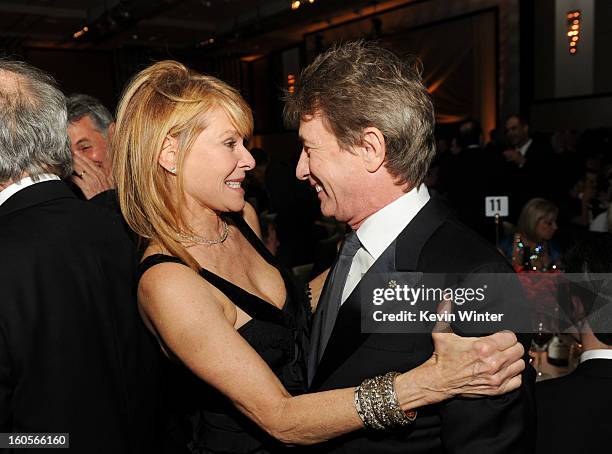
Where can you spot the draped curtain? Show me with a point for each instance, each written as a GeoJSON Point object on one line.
{"type": "Point", "coordinates": [459, 57]}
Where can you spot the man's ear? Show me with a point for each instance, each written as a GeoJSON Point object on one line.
{"type": "Point", "coordinates": [374, 149]}
{"type": "Point", "coordinates": [167, 156]}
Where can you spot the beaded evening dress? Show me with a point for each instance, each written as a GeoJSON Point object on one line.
{"type": "Point", "coordinates": [201, 420]}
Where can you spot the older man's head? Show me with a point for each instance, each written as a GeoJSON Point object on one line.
{"type": "Point", "coordinates": [33, 119]}
{"type": "Point", "coordinates": [90, 127]}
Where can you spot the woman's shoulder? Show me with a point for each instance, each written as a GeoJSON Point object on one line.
{"type": "Point", "coordinates": [152, 257]}
{"type": "Point", "coordinates": [173, 292]}
{"type": "Point", "coordinates": [165, 273]}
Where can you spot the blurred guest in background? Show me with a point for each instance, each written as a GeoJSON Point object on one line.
{"type": "Point", "coordinates": [531, 248]}
{"type": "Point", "coordinates": [256, 192]}
{"type": "Point", "coordinates": [471, 175]}
{"type": "Point", "coordinates": [447, 160]}
{"type": "Point", "coordinates": [296, 209]}
{"type": "Point", "coordinates": [529, 165]}
{"type": "Point", "coordinates": [497, 143]}
{"type": "Point", "coordinates": [90, 128]}
{"type": "Point", "coordinates": [583, 199]}
{"type": "Point", "coordinates": [574, 410]}
{"type": "Point", "coordinates": [602, 222]}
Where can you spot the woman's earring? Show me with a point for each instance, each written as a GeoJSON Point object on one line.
{"type": "Point", "coordinates": [173, 170]}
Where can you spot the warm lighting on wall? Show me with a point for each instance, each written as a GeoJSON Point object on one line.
{"type": "Point", "coordinates": [296, 4]}
{"type": "Point", "coordinates": [573, 33]}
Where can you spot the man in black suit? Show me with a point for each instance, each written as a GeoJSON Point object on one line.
{"type": "Point", "coordinates": [474, 174]}
{"type": "Point", "coordinates": [366, 122]}
{"type": "Point", "coordinates": [74, 355]}
{"type": "Point", "coordinates": [574, 410]}
{"type": "Point", "coordinates": [530, 168]}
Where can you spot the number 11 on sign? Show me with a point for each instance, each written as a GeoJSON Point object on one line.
{"type": "Point", "coordinates": [496, 205]}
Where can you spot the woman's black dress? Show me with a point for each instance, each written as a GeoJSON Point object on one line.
{"type": "Point", "coordinates": [200, 419]}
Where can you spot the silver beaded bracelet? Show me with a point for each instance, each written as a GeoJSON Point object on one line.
{"type": "Point", "coordinates": [377, 405]}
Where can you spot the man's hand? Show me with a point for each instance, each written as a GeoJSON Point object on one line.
{"type": "Point", "coordinates": [90, 178]}
{"type": "Point", "coordinates": [513, 155]}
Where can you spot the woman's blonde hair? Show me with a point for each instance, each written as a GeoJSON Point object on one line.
{"type": "Point", "coordinates": [165, 99]}
{"type": "Point", "coordinates": [533, 211]}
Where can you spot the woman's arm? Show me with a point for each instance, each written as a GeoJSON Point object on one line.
{"type": "Point", "coordinates": [199, 329]}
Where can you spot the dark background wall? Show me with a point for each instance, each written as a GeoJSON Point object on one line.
{"type": "Point", "coordinates": [482, 58]}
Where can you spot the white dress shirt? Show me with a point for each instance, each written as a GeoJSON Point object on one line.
{"type": "Point", "coordinates": [600, 223]}
{"type": "Point", "coordinates": [14, 188]}
{"type": "Point", "coordinates": [379, 230]}
{"type": "Point", "coordinates": [598, 353]}
{"type": "Point", "coordinates": [523, 150]}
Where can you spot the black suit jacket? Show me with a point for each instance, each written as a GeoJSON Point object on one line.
{"type": "Point", "coordinates": [575, 411]}
{"type": "Point", "coordinates": [433, 242]}
{"type": "Point", "coordinates": [535, 179]}
{"type": "Point", "coordinates": [74, 355]}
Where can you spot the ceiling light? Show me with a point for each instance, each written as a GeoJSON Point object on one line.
{"type": "Point", "coordinates": [573, 30]}
{"type": "Point", "coordinates": [80, 33]}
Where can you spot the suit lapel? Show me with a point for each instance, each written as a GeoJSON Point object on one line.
{"type": "Point", "coordinates": [346, 336]}
{"type": "Point", "coordinates": [317, 321]}
{"type": "Point", "coordinates": [412, 240]}
{"type": "Point", "coordinates": [402, 255]}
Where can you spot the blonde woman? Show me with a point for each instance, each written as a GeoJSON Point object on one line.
{"type": "Point", "coordinates": [218, 302]}
{"type": "Point", "coordinates": [531, 248]}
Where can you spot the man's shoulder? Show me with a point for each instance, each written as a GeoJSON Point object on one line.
{"type": "Point", "coordinates": [559, 394]}
{"type": "Point", "coordinates": [60, 221]}
{"type": "Point", "coordinates": [551, 387]}
{"type": "Point", "coordinates": [541, 145]}
{"type": "Point", "coordinates": [454, 242]}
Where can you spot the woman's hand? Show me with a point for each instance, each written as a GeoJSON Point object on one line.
{"type": "Point", "coordinates": [463, 366]}
{"type": "Point", "coordinates": [473, 367]}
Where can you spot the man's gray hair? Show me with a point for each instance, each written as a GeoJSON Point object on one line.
{"type": "Point", "coordinates": [359, 84]}
{"type": "Point", "coordinates": [80, 105]}
{"type": "Point", "coordinates": [33, 124]}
